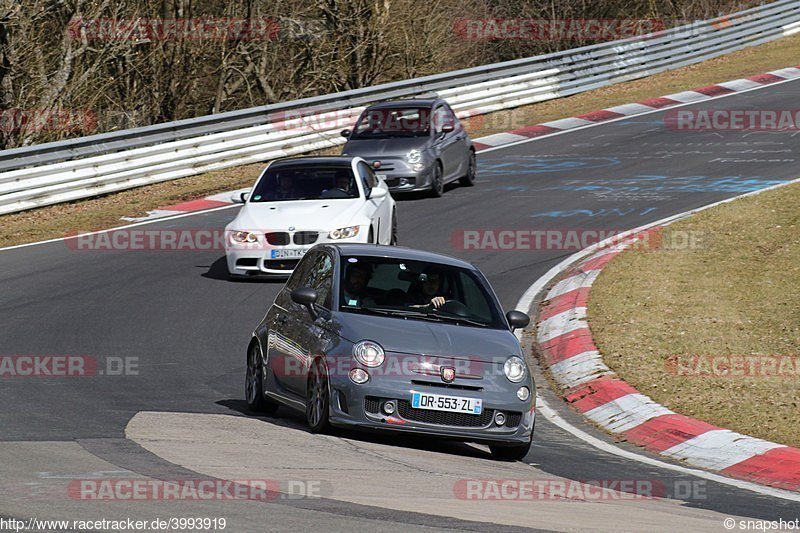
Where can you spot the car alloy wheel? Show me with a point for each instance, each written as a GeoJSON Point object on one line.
{"type": "Point", "coordinates": [468, 180]}
{"type": "Point", "coordinates": [437, 185]}
{"type": "Point", "coordinates": [254, 383]}
{"type": "Point", "coordinates": [318, 399]}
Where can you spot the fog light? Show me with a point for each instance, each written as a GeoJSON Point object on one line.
{"type": "Point", "coordinates": [389, 408]}
{"type": "Point", "coordinates": [359, 376]}
{"type": "Point", "coordinates": [523, 393]}
{"type": "Point", "coordinates": [499, 418]}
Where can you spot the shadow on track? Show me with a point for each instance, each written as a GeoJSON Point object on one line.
{"type": "Point", "coordinates": [219, 271]}
{"type": "Point", "coordinates": [289, 418]}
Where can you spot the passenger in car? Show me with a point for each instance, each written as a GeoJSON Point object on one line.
{"type": "Point", "coordinates": [354, 290]}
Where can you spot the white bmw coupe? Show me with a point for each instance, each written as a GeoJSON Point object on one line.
{"type": "Point", "coordinates": [299, 202]}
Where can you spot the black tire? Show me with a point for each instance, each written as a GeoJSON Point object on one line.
{"type": "Point", "coordinates": [468, 180]}
{"type": "Point", "coordinates": [437, 181]}
{"type": "Point", "coordinates": [393, 241]}
{"type": "Point", "coordinates": [318, 399]}
{"type": "Point", "coordinates": [516, 452]}
{"type": "Point", "coordinates": [254, 383]}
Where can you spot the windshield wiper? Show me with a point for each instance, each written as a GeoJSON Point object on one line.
{"type": "Point", "coordinates": [463, 320]}
{"type": "Point", "coordinates": [402, 313]}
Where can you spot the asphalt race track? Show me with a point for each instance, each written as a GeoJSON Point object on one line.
{"type": "Point", "coordinates": [185, 327]}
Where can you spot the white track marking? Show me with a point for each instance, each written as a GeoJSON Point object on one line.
{"type": "Point", "coordinates": [626, 412]}
{"type": "Point", "coordinates": [153, 221]}
{"type": "Point", "coordinates": [553, 417]}
{"type": "Point", "coordinates": [606, 122]}
{"type": "Point", "coordinates": [632, 109]}
{"type": "Point", "coordinates": [500, 138]}
{"type": "Point", "coordinates": [567, 123]}
{"type": "Point", "coordinates": [721, 448]}
{"type": "Point", "coordinates": [573, 283]}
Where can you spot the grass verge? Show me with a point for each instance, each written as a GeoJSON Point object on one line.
{"type": "Point", "coordinates": [690, 332]}
{"type": "Point", "coordinates": [104, 212]}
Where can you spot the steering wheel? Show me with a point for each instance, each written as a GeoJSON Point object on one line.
{"type": "Point", "coordinates": [454, 307]}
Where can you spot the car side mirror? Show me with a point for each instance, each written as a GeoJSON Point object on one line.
{"type": "Point", "coordinates": [307, 297]}
{"type": "Point", "coordinates": [346, 133]}
{"type": "Point", "coordinates": [517, 319]}
{"type": "Point", "coordinates": [240, 198]}
{"type": "Point", "coordinates": [377, 192]}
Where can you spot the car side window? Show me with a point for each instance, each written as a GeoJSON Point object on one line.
{"type": "Point", "coordinates": [320, 277]}
{"type": "Point", "coordinates": [300, 274]}
{"type": "Point", "coordinates": [368, 177]}
{"type": "Point", "coordinates": [450, 117]}
{"type": "Point", "coordinates": [438, 119]}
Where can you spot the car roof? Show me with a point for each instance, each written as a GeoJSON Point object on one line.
{"type": "Point", "coordinates": [400, 252]}
{"type": "Point", "coordinates": [322, 160]}
{"type": "Point", "coordinates": [409, 102]}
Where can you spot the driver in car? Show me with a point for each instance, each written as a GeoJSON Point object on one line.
{"type": "Point", "coordinates": [425, 293]}
{"type": "Point", "coordinates": [285, 189]}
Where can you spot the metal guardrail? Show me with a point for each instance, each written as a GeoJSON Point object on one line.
{"type": "Point", "coordinates": [50, 173]}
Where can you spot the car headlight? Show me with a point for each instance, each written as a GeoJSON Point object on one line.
{"type": "Point", "coordinates": [414, 156]}
{"type": "Point", "coordinates": [514, 369]}
{"type": "Point", "coordinates": [369, 353]}
{"type": "Point", "coordinates": [244, 237]}
{"type": "Point", "coordinates": [344, 233]}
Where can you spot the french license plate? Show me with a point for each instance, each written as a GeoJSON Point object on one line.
{"type": "Point", "coordinates": [287, 254]}
{"type": "Point", "coordinates": [452, 404]}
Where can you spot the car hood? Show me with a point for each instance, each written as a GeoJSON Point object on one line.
{"type": "Point", "coordinates": [302, 214]}
{"type": "Point", "coordinates": [397, 147]}
{"type": "Point", "coordinates": [423, 337]}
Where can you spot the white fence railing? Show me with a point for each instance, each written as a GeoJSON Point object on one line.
{"type": "Point", "coordinates": [79, 168]}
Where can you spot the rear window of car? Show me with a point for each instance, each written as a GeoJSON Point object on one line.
{"type": "Point", "coordinates": [306, 182]}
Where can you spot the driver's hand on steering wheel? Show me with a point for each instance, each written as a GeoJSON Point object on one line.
{"type": "Point", "coordinates": [437, 302]}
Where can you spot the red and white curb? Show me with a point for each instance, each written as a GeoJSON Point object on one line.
{"type": "Point", "coordinates": [210, 202]}
{"type": "Point", "coordinates": [639, 108]}
{"type": "Point", "coordinates": [539, 130]}
{"type": "Point", "coordinates": [566, 348]}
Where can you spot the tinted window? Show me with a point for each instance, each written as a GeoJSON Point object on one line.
{"type": "Point", "coordinates": [368, 178]}
{"type": "Point", "coordinates": [305, 182]}
{"type": "Point", "coordinates": [320, 277]}
{"type": "Point", "coordinates": [443, 116]}
{"type": "Point", "coordinates": [300, 273]}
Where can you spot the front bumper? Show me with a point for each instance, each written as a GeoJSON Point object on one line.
{"type": "Point", "coordinates": [401, 177]}
{"type": "Point", "coordinates": [360, 407]}
{"type": "Point", "coordinates": [257, 259]}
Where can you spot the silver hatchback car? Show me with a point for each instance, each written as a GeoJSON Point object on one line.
{"type": "Point", "coordinates": [415, 145]}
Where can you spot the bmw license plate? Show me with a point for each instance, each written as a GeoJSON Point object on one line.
{"type": "Point", "coordinates": [452, 404]}
{"type": "Point", "coordinates": [287, 254]}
